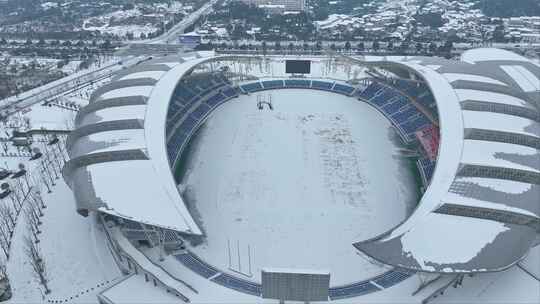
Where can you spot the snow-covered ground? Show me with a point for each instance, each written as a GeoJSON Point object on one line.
{"type": "Point", "coordinates": [75, 253]}
{"type": "Point", "coordinates": [298, 185]}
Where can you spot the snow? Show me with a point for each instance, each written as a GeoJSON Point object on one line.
{"type": "Point", "coordinates": [128, 91]}
{"type": "Point", "coordinates": [50, 118]}
{"type": "Point", "coordinates": [450, 149]}
{"type": "Point", "coordinates": [147, 74]}
{"type": "Point", "coordinates": [489, 54]}
{"type": "Point", "coordinates": [509, 286]}
{"type": "Point", "coordinates": [297, 185]}
{"type": "Point", "coordinates": [523, 77]}
{"type": "Point", "coordinates": [461, 247]}
{"type": "Point", "coordinates": [453, 198]}
{"type": "Point", "coordinates": [75, 261]}
{"type": "Point", "coordinates": [142, 261]}
{"type": "Point", "coordinates": [154, 128]}
{"type": "Point", "coordinates": [497, 184]}
{"type": "Point", "coordinates": [500, 122]}
{"type": "Point", "coordinates": [465, 94]}
{"type": "Point", "coordinates": [109, 141]}
{"type": "Point", "coordinates": [114, 114]}
{"type": "Point", "coordinates": [457, 76]}
{"type": "Point", "coordinates": [134, 289]}
{"type": "Point", "coordinates": [131, 190]}
{"type": "Point", "coordinates": [486, 153]}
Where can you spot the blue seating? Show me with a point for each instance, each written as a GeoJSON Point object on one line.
{"type": "Point", "coordinates": [426, 167]}
{"type": "Point", "coordinates": [391, 278]}
{"type": "Point", "coordinates": [394, 106]}
{"type": "Point", "coordinates": [180, 114]}
{"type": "Point", "coordinates": [352, 290]}
{"type": "Point", "coordinates": [383, 98]}
{"type": "Point", "coordinates": [343, 89]}
{"type": "Point", "coordinates": [230, 92]}
{"type": "Point", "coordinates": [215, 100]}
{"type": "Point", "coordinates": [404, 115]}
{"type": "Point", "coordinates": [272, 84]}
{"type": "Point", "coordinates": [297, 83]}
{"type": "Point", "coordinates": [238, 284]}
{"type": "Point", "coordinates": [413, 125]}
{"type": "Point", "coordinates": [196, 265]}
{"type": "Point", "coordinates": [252, 87]}
{"type": "Point", "coordinates": [321, 85]}
{"type": "Point", "coordinates": [200, 111]}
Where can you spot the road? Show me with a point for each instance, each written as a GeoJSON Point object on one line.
{"type": "Point", "coordinates": [171, 36]}
{"type": "Point", "coordinates": [80, 79]}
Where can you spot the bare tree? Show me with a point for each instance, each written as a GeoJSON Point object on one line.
{"type": "Point", "coordinates": [35, 258]}
{"type": "Point", "coordinates": [17, 203]}
{"type": "Point", "coordinates": [48, 173]}
{"type": "Point", "coordinates": [33, 224]}
{"type": "Point", "coordinates": [45, 181]}
{"type": "Point", "coordinates": [5, 240]}
{"type": "Point", "coordinates": [3, 269]}
{"type": "Point", "coordinates": [7, 217]}
{"type": "Point", "coordinates": [38, 199]}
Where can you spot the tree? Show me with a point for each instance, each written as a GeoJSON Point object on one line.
{"type": "Point", "coordinates": [5, 241]}
{"type": "Point", "coordinates": [277, 46]}
{"type": "Point", "coordinates": [419, 47]}
{"type": "Point", "coordinates": [432, 47]}
{"type": "Point", "coordinates": [376, 45]}
{"type": "Point", "coordinates": [360, 46]}
{"type": "Point", "coordinates": [347, 46]}
{"type": "Point", "coordinates": [7, 217]}
{"type": "Point", "coordinates": [35, 259]}
{"type": "Point", "coordinates": [290, 47]}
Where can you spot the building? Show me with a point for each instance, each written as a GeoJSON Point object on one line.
{"type": "Point", "coordinates": [482, 180]}
{"type": "Point", "coordinates": [279, 5]}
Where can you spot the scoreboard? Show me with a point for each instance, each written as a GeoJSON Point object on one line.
{"type": "Point", "coordinates": [295, 285]}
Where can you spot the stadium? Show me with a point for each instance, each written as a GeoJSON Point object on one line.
{"type": "Point", "coordinates": [391, 177]}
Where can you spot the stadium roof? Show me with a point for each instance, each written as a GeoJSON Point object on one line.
{"type": "Point", "coordinates": [118, 160]}
{"type": "Point", "coordinates": [481, 211]}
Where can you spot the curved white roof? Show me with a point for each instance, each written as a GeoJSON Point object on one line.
{"type": "Point", "coordinates": [118, 160]}
{"type": "Point", "coordinates": [481, 211]}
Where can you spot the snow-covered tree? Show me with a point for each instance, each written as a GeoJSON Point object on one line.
{"type": "Point", "coordinates": [35, 259]}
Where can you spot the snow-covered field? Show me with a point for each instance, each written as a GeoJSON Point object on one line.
{"type": "Point", "coordinates": [296, 186]}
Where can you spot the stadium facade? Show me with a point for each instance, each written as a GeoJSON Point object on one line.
{"type": "Point", "coordinates": [476, 122]}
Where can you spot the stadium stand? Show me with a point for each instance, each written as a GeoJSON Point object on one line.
{"type": "Point", "coordinates": [351, 290]}
{"type": "Point", "coordinates": [238, 284]}
{"type": "Point", "coordinates": [195, 264]}
{"type": "Point", "coordinates": [193, 102]}
{"type": "Point", "coordinates": [391, 278]}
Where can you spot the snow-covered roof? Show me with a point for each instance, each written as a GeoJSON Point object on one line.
{"type": "Point", "coordinates": [118, 160]}
{"type": "Point", "coordinates": [481, 211]}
